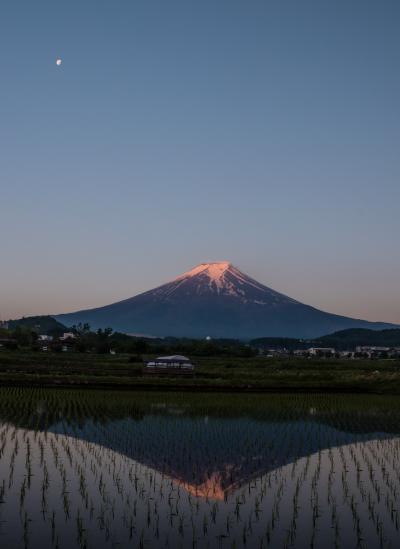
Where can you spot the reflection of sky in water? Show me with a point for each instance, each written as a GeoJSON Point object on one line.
{"type": "Point", "coordinates": [178, 479]}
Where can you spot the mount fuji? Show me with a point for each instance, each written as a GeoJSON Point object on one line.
{"type": "Point", "coordinates": [217, 300]}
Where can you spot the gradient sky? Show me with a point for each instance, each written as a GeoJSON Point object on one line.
{"type": "Point", "coordinates": [264, 132]}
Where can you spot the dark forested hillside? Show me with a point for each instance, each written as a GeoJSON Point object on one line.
{"type": "Point", "coordinates": [344, 339]}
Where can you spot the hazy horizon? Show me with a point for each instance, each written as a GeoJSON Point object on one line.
{"type": "Point", "coordinates": [262, 133]}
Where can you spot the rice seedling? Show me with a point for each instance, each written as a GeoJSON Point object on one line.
{"type": "Point", "coordinates": [147, 471]}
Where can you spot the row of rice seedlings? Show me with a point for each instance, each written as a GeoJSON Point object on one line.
{"type": "Point", "coordinates": [284, 487]}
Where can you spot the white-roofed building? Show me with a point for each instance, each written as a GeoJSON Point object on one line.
{"type": "Point", "coordinates": [172, 363]}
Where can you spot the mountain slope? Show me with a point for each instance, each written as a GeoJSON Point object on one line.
{"type": "Point", "coordinates": [217, 300]}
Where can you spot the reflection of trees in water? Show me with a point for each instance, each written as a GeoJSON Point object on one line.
{"type": "Point", "coordinates": [355, 413]}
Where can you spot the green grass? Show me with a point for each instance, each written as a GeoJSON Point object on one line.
{"type": "Point", "coordinates": [245, 374]}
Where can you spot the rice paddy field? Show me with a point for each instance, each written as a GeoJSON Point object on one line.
{"type": "Point", "coordinates": [257, 374]}
{"type": "Point", "coordinates": [103, 469]}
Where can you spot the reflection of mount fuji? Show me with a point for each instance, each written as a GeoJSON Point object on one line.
{"type": "Point", "coordinates": [211, 457]}
{"type": "Point", "coordinates": [211, 445]}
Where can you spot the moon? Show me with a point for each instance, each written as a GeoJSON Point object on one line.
{"type": "Point", "coordinates": [58, 62]}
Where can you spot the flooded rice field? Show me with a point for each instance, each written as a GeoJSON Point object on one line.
{"type": "Point", "coordinates": [100, 470]}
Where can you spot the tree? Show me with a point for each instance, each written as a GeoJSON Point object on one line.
{"type": "Point", "coordinates": [103, 343]}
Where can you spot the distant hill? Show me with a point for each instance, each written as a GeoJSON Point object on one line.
{"type": "Point", "coordinates": [217, 300]}
{"type": "Point", "coordinates": [348, 339]}
{"type": "Point", "coordinates": [342, 340]}
{"type": "Point", "coordinates": [40, 324]}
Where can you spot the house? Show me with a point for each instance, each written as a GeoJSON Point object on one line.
{"type": "Point", "coordinates": [346, 354]}
{"type": "Point", "coordinates": [321, 351]}
{"type": "Point", "coordinates": [67, 335]}
{"type": "Point", "coordinates": [273, 353]}
{"type": "Point", "coordinates": [176, 364]}
{"type": "Point", "coordinates": [300, 352]}
{"type": "Point", "coordinates": [371, 349]}
{"type": "Point", "coordinates": [44, 337]}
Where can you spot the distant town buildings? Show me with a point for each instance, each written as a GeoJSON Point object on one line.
{"type": "Point", "coordinates": [368, 351]}
{"type": "Point", "coordinates": [371, 349]}
{"type": "Point", "coordinates": [364, 351]}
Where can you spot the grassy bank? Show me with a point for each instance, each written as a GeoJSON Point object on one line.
{"type": "Point", "coordinates": [231, 374]}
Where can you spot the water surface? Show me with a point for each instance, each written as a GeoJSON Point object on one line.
{"type": "Point", "coordinates": [97, 469]}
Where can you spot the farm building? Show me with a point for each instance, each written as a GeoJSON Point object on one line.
{"type": "Point", "coordinates": [170, 364]}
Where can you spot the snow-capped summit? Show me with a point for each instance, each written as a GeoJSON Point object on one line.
{"type": "Point", "coordinates": [215, 299]}
{"type": "Point", "coordinates": [218, 275]}
{"type": "Point", "coordinates": [214, 270]}
{"type": "Point", "coordinates": [211, 273]}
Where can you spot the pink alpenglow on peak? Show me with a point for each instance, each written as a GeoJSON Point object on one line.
{"type": "Point", "coordinates": [219, 276]}
{"type": "Point", "coordinates": [213, 270]}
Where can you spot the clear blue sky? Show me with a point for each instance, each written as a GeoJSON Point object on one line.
{"type": "Point", "coordinates": [262, 132]}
